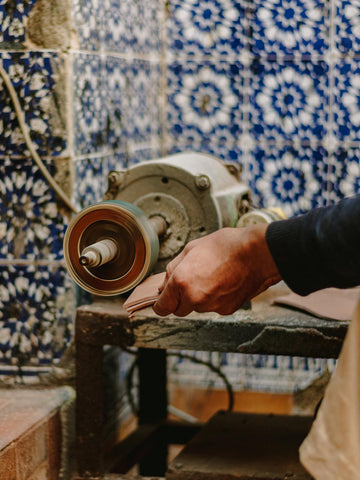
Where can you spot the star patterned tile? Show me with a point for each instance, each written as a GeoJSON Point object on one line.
{"type": "Point", "coordinates": [13, 17]}
{"type": "Point", "coordinates": [89, 111]}
{"type": "Point", "coordinates": [289, 100]}
{"type": "Point", "coordinates": [216, 27]}
{"type": "Point", "coordinates": [141, 155]}
{"type": "Point", "coordinates": [114, 32]}
{"type": "Point", "coordinates": [115, 102]}
{"type": "Point", "coordinates": [347, 101]}
{"type": "Point", "coordinates": [92, 177]}
{"type": "Point", "coordinates": [35, 314]}
{"type": "Point", "coordinates": [204, 101]}
{"type": "Point", "coordinates": [88, 21]}
{"type": "Point", "coordinates": [91, 180]}
{"type": "Point", "coordinates": [347, 25]}
{"type": "Point", "coordinates": [34, 78]}
{"type": "Point", "coordinates": [143, 116]}
{"type": "Point", "coordinates": [114, 26]}
{"type": "Point", "coordinates": [294, 179]}
{"type": "Point", "coordinates": [143, 25]}
{"type": "Point", "coordinates": [222, 151]}
{"type": "Point", "coordinates": [345, 173]}
{"type": "Point", "coordinates": [290, 28]}
{"type": "Point", "coordinates": [114, 161]}
{"type": "Point", "coordinates": [31, 225]}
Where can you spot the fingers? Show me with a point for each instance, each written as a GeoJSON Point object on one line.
{"type": "Point", "coordinates": [183, 309]}
{"type": "Point", "coordinates": [169, 300]}
{"type": "Point", "coordinates": [173, 297]}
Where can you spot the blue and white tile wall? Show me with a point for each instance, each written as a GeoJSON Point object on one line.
{"type": "Point", "coordinates": [271, 84]}
{"type": "Point", "coordinates": [35, 305]}
{"type": "Point", "coordinates": [274, 85]}
{"type": "Point", "coordinates": [91, 106]}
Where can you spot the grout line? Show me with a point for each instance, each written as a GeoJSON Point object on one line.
{"type": "Point", "coordinates": [150, 57]}
{"type": "Point", "coordinates": [245, 148]}
{"type": "Point", "coordinates": [164, 80]}
{"type": "Point", "coordinates": [332, 146]}
{"type": "Point", "coordinates": [36, 262]}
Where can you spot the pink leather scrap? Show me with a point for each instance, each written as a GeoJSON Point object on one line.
{"type": "Point", "coordinates": [329, 303]}
{"type": "Point", "coordinates": [145, 294]}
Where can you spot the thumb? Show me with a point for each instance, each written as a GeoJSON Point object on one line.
{"type": "Point", "coordinates": [168, 301]}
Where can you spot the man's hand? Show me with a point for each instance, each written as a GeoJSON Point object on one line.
{"type": "Point", "coordinates": [218, 273]}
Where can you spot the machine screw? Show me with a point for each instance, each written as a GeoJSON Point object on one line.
{"type": "Point", "coordinates": [202, 182]}
{"type": "Point", "coordinates": [234, 169]}
{"type": "Point", "coordinates": [115, 179]}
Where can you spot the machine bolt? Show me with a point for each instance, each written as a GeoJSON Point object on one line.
{"type": "Point", "coordinates": [115, 179]}
{"type": "Point", "coordinates": [234, 169]}
{"type": "Point", "coordinates": [202, 182]}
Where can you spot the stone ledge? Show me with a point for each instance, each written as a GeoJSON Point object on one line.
{"type": "Point", "coordinates": [36, 432]}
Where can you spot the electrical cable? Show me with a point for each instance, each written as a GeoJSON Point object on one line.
{"type": "Point", "coordinates": [25, 130]}
{"type": "Point", "coordinates": [212, 367]}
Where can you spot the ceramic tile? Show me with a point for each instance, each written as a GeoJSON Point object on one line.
{"type": "Point", "coordinates": [222, 151]}
{"type": "Point", "coordinates": [158, 100]}
{"type": "Point", "coordinates": [115, 102]}
{"type": "Point", "coordinates": [34, 76]}
{"type": "Point", "coordinates": [347, 101]}
{"type": "Point", "coordinates": [347, 24]}
{"type": "Point", "coordinates": [289, 100]}
{"type": "Point", "coordinates": [290, 27]}
{"type": "Point", "coordinates": [345, 173]}
{"type": "Point", "coordinates": [35, 314]}
{"type": "Point", "coordinates": [133, 26]}
{"type": "Point", "coordinates": [114, 35]}
{"type": "Point", "coordinates": [115, 161]}
{"type": "Point", "coordinates": [294, 179]}
{"type": "Point", "coordinates": [142, 97]}
{"type": "Point", "coordinates": [31, 225]}
{"type": "Point", "coordinates": [137, 155]}
{"type": "Point", "coordinates": [204, 101]}
{"type": "Point", "coordinates": [13, 17]}
{"type": "Point", "coordinates": [156, 20]}
{"type": "Point", "coordinates": [197, 28]}
{"type": "Point", "coordinates": [91, 179]}
{"type": "Point", "coordinates": [88, 19]}
{"type": "Point", "coordinates": [247, 372]}
{"type": "Point", "coordinates": [89, 111]}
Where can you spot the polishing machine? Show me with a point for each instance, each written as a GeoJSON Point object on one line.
{"type": "Point", "coordinates": [149, 212]}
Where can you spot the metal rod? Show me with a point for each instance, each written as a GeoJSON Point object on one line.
{"type": "Point", "coordinates": [159, 224]}
{"type": "Point", "coordinates": [99, 253]}
{"type": "Point", "coordinates": [106, 250]}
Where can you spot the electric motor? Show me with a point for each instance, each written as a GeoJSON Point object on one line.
{"type": "Point", "coordinates": [151, 210]}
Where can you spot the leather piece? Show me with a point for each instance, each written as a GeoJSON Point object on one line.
{"type": "Point", "coordinates": [329, 303]}
{"type": "Point", "coordinates": [145, 294]}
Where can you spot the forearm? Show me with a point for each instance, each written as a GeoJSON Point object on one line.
{"type": "Point", "coordinates": [320, 249]}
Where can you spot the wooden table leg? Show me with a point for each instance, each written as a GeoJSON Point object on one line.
{"type": "Point", "coordinates": [153, 402]}
{"type": "Point", "coordinates": [89, 410]}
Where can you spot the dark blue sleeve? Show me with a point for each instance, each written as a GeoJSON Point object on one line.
{"type": "Point", "coordinates": [319, 249]}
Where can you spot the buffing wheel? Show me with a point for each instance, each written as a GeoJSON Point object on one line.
{"type": "Point", "coordinates": [136, 247]}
